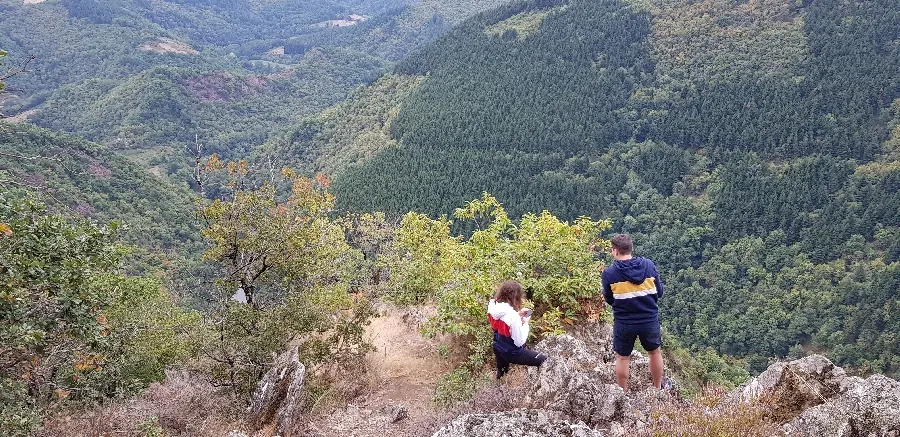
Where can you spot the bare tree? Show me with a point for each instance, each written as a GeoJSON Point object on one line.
{"type": "Point", "coordinates": [12, 71]}
{"type": "Point", "coordinates": [197, 152]}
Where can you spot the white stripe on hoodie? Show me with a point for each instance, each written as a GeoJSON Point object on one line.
{"type": "Point", "coordinates": [507, 314]}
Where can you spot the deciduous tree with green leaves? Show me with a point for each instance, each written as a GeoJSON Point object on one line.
{"type": "Point", "coordinates": [292, 267]}
{"type": "Point", "coordinates": [72, 327]}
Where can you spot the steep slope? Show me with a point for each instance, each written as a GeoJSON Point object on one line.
{"type": "Point", "coordinates": [751, 148]}
{"type": "Point", "coordinates": [159, 109]}
{"type": "Point", "coordinates": [83, 178]}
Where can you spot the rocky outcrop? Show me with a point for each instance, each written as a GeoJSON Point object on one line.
{"type": "Point", "coordinates": [865, 407]}
{"type": "Point", "coordinates": [521, 423]}
{"type": "Point", "coordinates": [578, 378]}
{"type": "Point", "coordinates": [792, 387]}
{"type": "Point", "coordinates": [279, 395]}
{"type": "Point", "coordinates": [813, 397]}
{"type": "Point", "coordinates": [574, 393]}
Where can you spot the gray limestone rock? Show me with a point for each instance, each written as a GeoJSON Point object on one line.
{"type": "Point", "coordinates": [279, 395]}
{"type": "Point", "coordinates": [395, 413]}
{"type": "Point", "coordinates": [869, 407]}
{"type": "Point", "coordinates": [520, 423]}
{"type": "Point", "coordinates": [793, 387]}
{"type": "Point", "coordinates": [578, 379]}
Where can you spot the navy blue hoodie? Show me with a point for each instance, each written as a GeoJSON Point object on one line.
{"type": "Point", "coordinates": [632, 288]}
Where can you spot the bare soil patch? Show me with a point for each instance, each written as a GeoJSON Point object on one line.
{"type": "Point", "coordinates": [404, 370]}
{"type": "Point", "coordinates": [21, 117]}
{"type": "Point", "coordinates": [168, 45]}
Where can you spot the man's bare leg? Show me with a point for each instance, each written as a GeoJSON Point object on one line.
{"type": "Point", "coordinates": [622, 364]}
{"type": "Point", "coordinates": [656, 367]}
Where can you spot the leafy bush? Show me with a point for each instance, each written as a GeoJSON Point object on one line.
{"type": "Point", "coordinates": [72, 328]}
{"type": "Point", "coordinates": [697, 370]}
{"type": "Point", "coordinates": [556, 262]}
{"type": "Point", "coordinates": [454, 386]}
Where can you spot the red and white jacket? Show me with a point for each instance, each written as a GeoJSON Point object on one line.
{"type": "Point", "coordinates": [510, 332]}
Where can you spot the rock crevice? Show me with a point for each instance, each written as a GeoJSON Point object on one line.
{"type": "Point", "coordinates": [279, 396]}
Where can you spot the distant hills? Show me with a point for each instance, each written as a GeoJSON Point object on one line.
{"type": "Point", "coordinates": [80, 178]}
{"type": "Point", "coordinates": [148, 78]}
{"type": "Point", "coordinates": [751, 148]}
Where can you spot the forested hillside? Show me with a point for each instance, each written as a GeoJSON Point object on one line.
{"type": "Point", "coordinates": [751, 148]}
{"type": "Point", "coordinates": [148, 78]}
{"type": "Point", "coordinates": [83, 179]}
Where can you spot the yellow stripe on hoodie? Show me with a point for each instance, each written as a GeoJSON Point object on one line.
{"type": "Point", "coordinates": [626, 287]}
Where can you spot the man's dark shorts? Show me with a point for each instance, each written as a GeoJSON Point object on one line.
{"type": "Point", "coordinates": [624, 336]}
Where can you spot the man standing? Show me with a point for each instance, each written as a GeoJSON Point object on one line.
{"type": "Point", "coordinates": [632, 287]}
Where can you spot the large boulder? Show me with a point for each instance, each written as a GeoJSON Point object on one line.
{"type": "Point", "coordinates": [520, 423]}
{"type": "Point", "coordinates": [813, 397]}
{"type": "Point", "coordinates": [793, 387]}
{"type": "Point", "coordinates": [279, 395]}
{"type": "Point", "coordinates": [578, 378]}
{"type": "Point", "coordinates": [866, 407]}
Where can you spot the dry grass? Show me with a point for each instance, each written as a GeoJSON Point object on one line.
{"type": "Point", "coordinates": [490, 397]}
{"type": "Point", "coordinates": [703, 418]}
{"type": "Point", "coordinates": [179, 406]}
{"type": "Point", "coordinates": [331, 389]}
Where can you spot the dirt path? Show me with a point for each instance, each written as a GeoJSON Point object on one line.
{"type": "Point", "coordinates": [405, 368]}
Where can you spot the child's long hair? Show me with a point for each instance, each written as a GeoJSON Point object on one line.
{"type": "Point", "coordinates": [511, 293]}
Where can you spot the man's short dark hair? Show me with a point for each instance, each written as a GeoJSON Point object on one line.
{"type": "Point", "coordinates": [623, 243]}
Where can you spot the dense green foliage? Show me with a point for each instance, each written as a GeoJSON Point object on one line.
{"type": "Point", "coordinates": [696, 126]}
{"type": "Point", "coordinates": [72, 327]}
{"type": "Point", "coordinates": [353, 130]}
{"type": "Point", "coordinates": [847, 305]}
{"type": "Point", "coordinates": [76, 330]}
{"type": "Point", "coordinates": [83, 178]}
{"type": "Point", "coordinates": [556, 262]}
{"type": "Point", "coordinates": [290, 270]}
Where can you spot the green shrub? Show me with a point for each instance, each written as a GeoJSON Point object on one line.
{"type": "Point", "coordinates": [296, 271]}
{"type": "Point", "coordinates": [73, 328]}
{"type": "Point", "coordinates": [454, 386]}
{"type": "Point", "coordinates": [556, 262]}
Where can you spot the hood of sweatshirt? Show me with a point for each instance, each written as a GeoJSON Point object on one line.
{"type": "Point", "coordinates": [634, 269]}
{"type": "Point", "coordinates": [499, 309]}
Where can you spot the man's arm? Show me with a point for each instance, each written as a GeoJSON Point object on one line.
{"type": "Point", "coordinates": [607, 290]}
{"type": "Point", "coordinates": [659, 284]}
